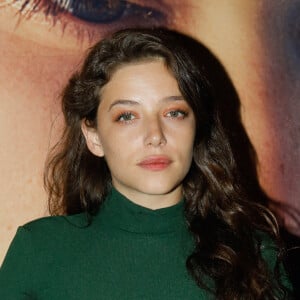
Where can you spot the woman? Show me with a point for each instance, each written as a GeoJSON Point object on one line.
{"type": "Point", "coordinates": [156, 204]}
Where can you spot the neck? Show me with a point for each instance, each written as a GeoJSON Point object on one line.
{"type": "Point", "coordinates": [151, 200]}
{"type": "Point", "coordinates": [119, 212]}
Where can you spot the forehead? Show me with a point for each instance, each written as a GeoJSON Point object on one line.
{"type": "Point", "coordinates": [141, 77]}
{"type": "Point", "coordinates": [137, 66]}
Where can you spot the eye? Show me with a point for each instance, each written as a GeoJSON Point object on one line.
{"type": "Point", "coordinates": [89, 19]}
{"type": "Point", "coordinates": [126, 117]}
{"type": "Point", "coordinates": [177, 114]}
{"type": "Point", "coordinates": [93, 11]}
{"type": "Point", "coordinates": [96, 11]}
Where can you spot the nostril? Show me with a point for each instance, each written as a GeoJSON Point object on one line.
{"type": "Point", "coordinates": [155, 137]}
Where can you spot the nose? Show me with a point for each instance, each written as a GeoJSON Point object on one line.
{"type": "Point", "coordinates": [154, 133]}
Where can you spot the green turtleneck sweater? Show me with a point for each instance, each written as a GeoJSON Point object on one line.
{"type": "Point", "coordinates": [127, 252]}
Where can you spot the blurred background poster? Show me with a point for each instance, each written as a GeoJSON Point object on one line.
{"type": "Point", "coordinates": [43, 42]}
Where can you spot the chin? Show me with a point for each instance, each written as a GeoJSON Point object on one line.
{"type": "Point", "coordinates": [159, 189]}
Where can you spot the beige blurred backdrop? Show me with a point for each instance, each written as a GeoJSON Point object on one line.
{"type": "Point", "coordinates": [258, 42]}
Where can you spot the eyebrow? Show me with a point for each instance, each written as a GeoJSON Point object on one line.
{"type": "Point", "coordinates": [123, 102]}
{"type": "Point", "coordinates": [174, 98]}
{"type": "Point", "coordinates": [133, 102]}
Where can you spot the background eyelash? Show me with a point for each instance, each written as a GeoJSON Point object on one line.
{"type": "Point", "coordinates": [92, 11]}
{"type": "Point", "coordinates": [88, 19]}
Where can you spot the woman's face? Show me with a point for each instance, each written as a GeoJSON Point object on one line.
{"type": "Point", "coordinates": [145, 131]}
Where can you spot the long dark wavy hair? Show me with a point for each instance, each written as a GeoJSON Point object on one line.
{"type": "Point", "coordinates": [225, 208]}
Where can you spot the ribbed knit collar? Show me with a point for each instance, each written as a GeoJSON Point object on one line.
{"type": "Point", "coordinates": [119, 212]}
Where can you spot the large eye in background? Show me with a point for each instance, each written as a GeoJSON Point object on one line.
{"type": "Point", "coordinates": [104, 11]}
{"type": "Point", "coordinates": [94, 11]}
{"type": "Point", "coordinates": [98, 11]}
{"type": "Point", "coordinates": [90, 17]}
{"type": "Point", "coordinates": [84, 20]}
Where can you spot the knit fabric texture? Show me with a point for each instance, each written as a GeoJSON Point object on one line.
{"type": "Point", "coordinates": [126, 252]}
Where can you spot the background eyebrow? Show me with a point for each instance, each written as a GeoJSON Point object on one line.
{"type": "Point", "coordinates": [123, 102]}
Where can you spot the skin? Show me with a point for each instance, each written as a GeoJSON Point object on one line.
{"type": "Point", "coordinates": [256, 41]}
{"type": "Point", "coordinates": [142, 116]}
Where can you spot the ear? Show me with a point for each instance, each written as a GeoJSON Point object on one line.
{"type": "Point", "coordinates": [92, 139]}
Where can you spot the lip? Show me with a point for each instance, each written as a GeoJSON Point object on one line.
{"type": "Point", "coordinates": [155, 163]}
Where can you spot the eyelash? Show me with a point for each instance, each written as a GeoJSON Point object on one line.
{"type": "Point", "coordinates": [124, 116]}
{"type": "Point", "coordinates": [129, 117]}
{"type": "Point", "coordinates": [123, 12]}
{"type": "Point", "coordinates": [183, 114]}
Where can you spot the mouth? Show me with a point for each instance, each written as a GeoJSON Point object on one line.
{"type": "Point", "coordinates": [155, 163]}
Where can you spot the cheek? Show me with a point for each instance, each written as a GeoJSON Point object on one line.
{"type": "Point", "coordinates": [190, 143]}
{"type": "Point", "coordinates": [117, 147]}
{"type": "Point", "coordinates": [185, 142]}
{"type": "Point", "coordinates": [110, 147]}
{"type": "Point", "coordinates": [189, 135]}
